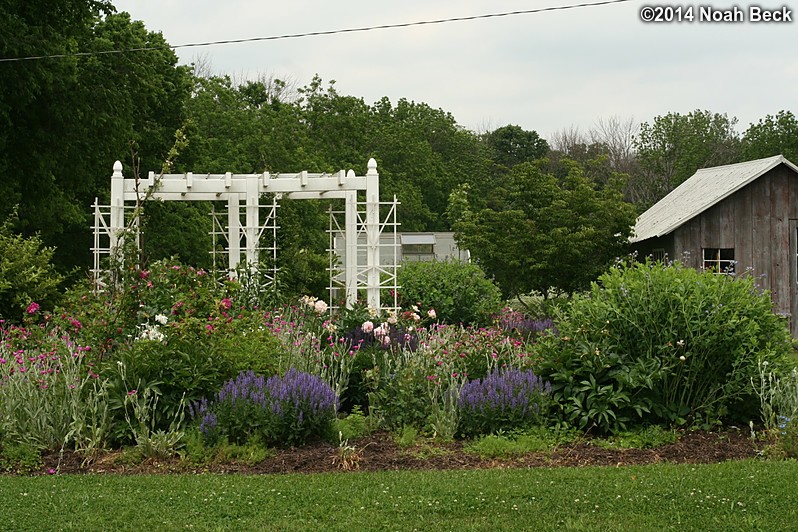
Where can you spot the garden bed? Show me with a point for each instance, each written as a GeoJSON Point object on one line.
{"type": "Point", "coordinates": [380, 452]}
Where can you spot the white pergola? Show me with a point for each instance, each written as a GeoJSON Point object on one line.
{"type": "Point", "coordinates": [242, 192]}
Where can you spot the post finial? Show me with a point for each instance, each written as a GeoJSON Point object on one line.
{"type": "Point", "coordinates": [117, 169]}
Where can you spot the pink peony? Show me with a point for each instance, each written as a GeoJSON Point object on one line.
{"type": "Point", "coordinates": [33, 308]}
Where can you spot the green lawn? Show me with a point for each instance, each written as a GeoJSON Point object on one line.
{"type": "Point", "coordinates": [748, 495]}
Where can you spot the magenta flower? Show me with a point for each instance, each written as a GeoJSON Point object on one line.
{"type": "Point", "coordinates": [226, 303]}
{"type": "Point", "coordinates": [33, 308]}
{"type": "Point", "coordinates": [132, 392]}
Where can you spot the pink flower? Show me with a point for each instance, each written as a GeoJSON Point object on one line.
{"type": "Point", "coordinates": [132, 392]}
{"type": "Point", "coordinates": [33, 308]}
{"type": "Point", "coordinates": [51, 471]}
{"type": "Point", "coordinates": [226, 303]}
{"type": "Point", "coordinates": [367, 326]}
{"type": "Point", "coordinates": [432, 314]}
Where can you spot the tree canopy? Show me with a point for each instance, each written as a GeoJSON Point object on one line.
{"type": "Point", "coordinates": [545, 233]}
{"type": "Point", "coordinates": [672, 147]}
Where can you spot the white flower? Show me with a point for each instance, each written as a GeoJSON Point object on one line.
{"type": "Point", "coordinates": [415, 308]}
{"type": "Point", "coordinates": [151, 333]}
{"type": "Point", "coordinates": [682, 358]}
{"type": "Point", "coordinates": [415, 317]}
{"type": "Point", "coordinates": [367, 326]}
{"type": "Point", "coordinates": [320, 306]}
{"type": "Point", "coordinates": [680, 343]}
{"type": "Point", "coordinates": [161, 318]}
{"type": "Point", "coordinates": [432, 314]}
{"type": "Point", "coordinates": [392, 318]}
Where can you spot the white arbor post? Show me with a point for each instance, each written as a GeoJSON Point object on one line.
{"type": "Point", "coordinates": [117, 221]}
{"type": "Point", "coordinates": [350, 253]}
{"type": "Point", "coordinates": [373, 235]}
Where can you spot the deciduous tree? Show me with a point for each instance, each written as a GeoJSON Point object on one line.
{"type": "Point", "coordinates": [549, 234]}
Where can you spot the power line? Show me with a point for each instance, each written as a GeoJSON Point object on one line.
{"type": "Point", "coordinates": [317, 33]}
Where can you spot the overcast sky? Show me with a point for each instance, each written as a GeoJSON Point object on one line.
{"type": "Point", "coordinates": [545, 71]}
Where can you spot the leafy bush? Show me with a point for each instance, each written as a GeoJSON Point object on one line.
{"type": "Point", "coordinates": [675, 343]}
{"type": "Point", "coordinates": [26, 273]}
{"type": "Point", "coordinates": [458, 292]}
{"type": "Point", "coordinates": [287, 410]}
{"type": "Point", "coordinates": [507, 399]}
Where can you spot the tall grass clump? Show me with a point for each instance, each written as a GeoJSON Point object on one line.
{"type": "Point", "coordinates": [279, 410]}
{"type": "Point", "coordinates": [676, 345]}
{"type": "Point", "coordinates": [507, 399]}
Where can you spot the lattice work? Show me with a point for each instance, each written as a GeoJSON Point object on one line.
{"type": "Point", "coordinates": [260, 254]}
{"type": "Point", "coordinates": [107, 241]}
{"type": "Point", "coordinates": [344, 277]}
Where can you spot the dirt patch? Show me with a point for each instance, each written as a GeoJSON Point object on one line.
{"type": "Point", "coordinates": [379, 452]}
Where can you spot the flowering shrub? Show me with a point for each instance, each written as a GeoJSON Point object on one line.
{"type": "Point", "coordinates": [673, 342]}
{"type": "Point", "coordinates": [458, 292]}
{"type": "Point", "coordinates": [287, 410]}
{"type": "Point", "coordinates": [504, 400]}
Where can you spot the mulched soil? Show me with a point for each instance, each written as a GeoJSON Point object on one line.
{"type": "Point", "coordinates": [379, 452]}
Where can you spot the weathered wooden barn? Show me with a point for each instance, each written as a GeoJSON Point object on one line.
{"type": "Point", "coordinates": [736, 217]}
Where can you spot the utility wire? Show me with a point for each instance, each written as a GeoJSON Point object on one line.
{"type": "Point", "coordinates": [316, 33]}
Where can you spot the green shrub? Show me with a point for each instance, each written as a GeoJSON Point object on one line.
{"type": "Point", "coordinates": [458, 292]}
{"type": "Point", "coordinates": [402, 399]}
{"type": "Point", "coordinates": [352, 427]}
{"type": "Point", "coordinates": [675, 344]}
{"type": "Point", "coordinates": [27, 274]}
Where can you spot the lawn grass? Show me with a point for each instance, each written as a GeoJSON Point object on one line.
{"type": "Point", "coordinates": [745, 495]}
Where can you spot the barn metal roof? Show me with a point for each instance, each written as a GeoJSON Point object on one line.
{"type": "Point", "coordinates": [704, 189]}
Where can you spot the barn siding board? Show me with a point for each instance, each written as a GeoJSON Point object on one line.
{"type": "Point", "coordinates": [779, 239]}
{"type": "Point", "coordinates": [710, 237]}
{"type": "Point", "coordinates": [793, 277]}
{"type": "Point", "coordinates": [761, 230]}
{"type": "Point", "coordinates": [726, 223]}
{"type": "Point", "coordinates": [743, 235]}
{"type": "Point", "coordinates": [792, 179]}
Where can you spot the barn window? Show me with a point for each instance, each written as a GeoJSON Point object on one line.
{"type": "Point", "coordinates": [719, 260]}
